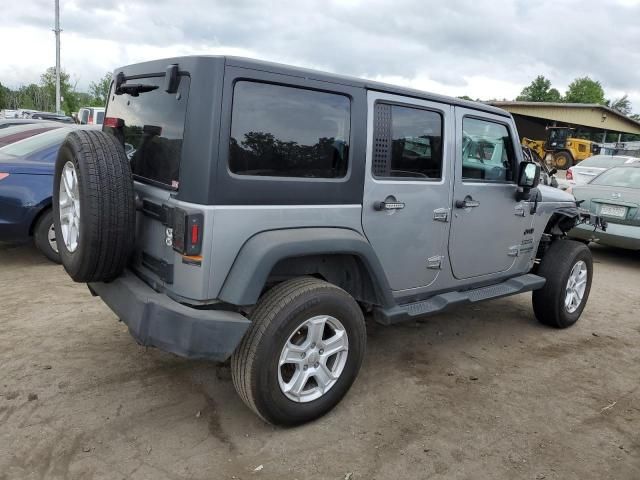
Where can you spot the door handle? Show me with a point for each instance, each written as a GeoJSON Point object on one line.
{"type": "Point", "coordinates": [388, 206]}
{"type": "Point", "coordinates": [468, 202]}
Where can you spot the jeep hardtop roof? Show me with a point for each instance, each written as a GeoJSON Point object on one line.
{"type": "Point", "coordinates": [192, 63]}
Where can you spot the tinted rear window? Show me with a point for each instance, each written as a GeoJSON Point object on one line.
{"type": "Point", "coordinates": [288, 132]}
{"type": "Point", "coordinates": [153, 129]}
{"type": "Point", "coordinates": [628, 177]}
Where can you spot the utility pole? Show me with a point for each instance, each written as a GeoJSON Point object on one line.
{"type": "Point", "coordinates": [57, 32]}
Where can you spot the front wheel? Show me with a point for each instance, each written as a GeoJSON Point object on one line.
{"type": "Point", "coordinates": [563, 160]}
{"type": "Point", "coordinates": [302, 353]}
{"type": "Point", "coordinates": [568, 268]}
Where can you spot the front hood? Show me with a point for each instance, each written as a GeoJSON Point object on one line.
{"type": "Point", "coordinates": [19, 165]}
{"type": "Point", "coordinates": [552, 194]}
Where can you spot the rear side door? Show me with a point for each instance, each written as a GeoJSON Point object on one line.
{"type": "Point", "coordinates": [488, 222]}
{"type": "Point", "coordinates": [405, 213]}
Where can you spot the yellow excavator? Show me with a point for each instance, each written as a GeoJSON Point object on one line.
{"type": "Point", "coordinates": [560, 150]}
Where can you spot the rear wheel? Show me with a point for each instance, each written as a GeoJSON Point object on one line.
{"type": "Point", "coordinates": [44, 236]}
{"type": "Point", "coordinates": [563, 160]}
{"type": "Point", "coordinates": [568, 268]}
{"type": "Point", "coordinates": [302, 352]}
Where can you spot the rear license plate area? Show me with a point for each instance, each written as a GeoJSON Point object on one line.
{"type": "Point", "coordinates": [613, 211]}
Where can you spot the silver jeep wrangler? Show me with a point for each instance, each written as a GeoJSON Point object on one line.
{"type": "Point", "coordinates": [232, 208]}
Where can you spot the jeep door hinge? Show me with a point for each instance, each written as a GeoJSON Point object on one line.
{"type": "Point", "coordinates": [514, 251]}
{"type": "Point", "coordinates": [441, 214]}
{"type": "Point", "coordinates": [519, 210]}
{"type": "Point", "coordinates": [434, 263]}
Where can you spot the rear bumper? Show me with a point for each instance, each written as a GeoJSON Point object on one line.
{"type": "Point", "coordinates": [621, 236]}
{"type": "Point", "coordinates": [158, 321]}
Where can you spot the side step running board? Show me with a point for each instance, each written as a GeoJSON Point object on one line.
{"type": "Point", "coordinates": [440, 302]}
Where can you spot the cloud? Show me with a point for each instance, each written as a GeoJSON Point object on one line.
{"type": "Point", "coordinates": [481, 48]}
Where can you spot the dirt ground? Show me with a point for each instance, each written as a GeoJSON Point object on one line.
{"type": "Point", "coordinates": [480, 392]}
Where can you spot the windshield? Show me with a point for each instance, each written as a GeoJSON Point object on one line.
{"type": "Point", "coordinates": [603, 161]}
{"type": "Point", "coordinates": [628, 177]}
{"type": "Point", "coordinates": [36, 143]}
{"type": "Point", "coordinates": [151, 127]}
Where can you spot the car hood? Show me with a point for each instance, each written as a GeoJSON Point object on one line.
{"type": "Point", "coordinates": [22, 165]}
{"type": "Point", "coordinates": [552, 194]}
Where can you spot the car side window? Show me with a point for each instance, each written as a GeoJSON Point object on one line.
{"type": "Point", "coordinates": [407, 143]}
{"type": "Point", "coordinates": [487, 151]}
{"type": "Point", "coordinates": [84, 117]}
{"type": "Point", "coordinates": [282, 131]}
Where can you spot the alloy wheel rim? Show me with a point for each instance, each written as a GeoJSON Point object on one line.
{"type": "Point", "coordinates": [313, 358]}
{"type": "Point", "coordinates": [576, 286]}
{"type": "Point", "coordinates": [69, 200]}
{"type": "Point", "coordinates": [51, 238]}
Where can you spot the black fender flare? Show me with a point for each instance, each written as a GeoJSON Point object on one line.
{"type": "Point", "coordinates": [261, 252]}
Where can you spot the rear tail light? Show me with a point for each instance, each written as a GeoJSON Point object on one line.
{"type": "Point", "coordinates": [113, 122]}
{"type": "Point", "coordinates": [569, 175]}
{"type": "Point", "coordinates": [3, 176]}
{"type": "Point", "coordinates": [187, 232]}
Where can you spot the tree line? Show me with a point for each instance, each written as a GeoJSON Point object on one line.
{"type": "Point", "coordinates": [42, 96]}
{"type": "Point", "coordinates": [581, 90]}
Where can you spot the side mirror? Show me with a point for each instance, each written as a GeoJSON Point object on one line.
{"type": "Point", "coordinates": [528, 175]}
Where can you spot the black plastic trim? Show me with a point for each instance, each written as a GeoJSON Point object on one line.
{"type": "Point", "coordinates": [157, 321]}
{"type": "Point", "coordinates": [258, 256]}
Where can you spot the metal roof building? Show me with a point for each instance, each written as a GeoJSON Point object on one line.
{"type": "Point", "coordinates": [591, 121]}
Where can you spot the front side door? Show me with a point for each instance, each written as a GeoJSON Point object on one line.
{"type": "Point", "coordinates": [488, 222]}
{"type": "Point", "coordinates": [407, 188]}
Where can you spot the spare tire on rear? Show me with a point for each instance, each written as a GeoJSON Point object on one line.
{"type": "Point", "coordinates": [93, 206]}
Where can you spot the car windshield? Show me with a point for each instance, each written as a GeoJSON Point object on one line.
{"type": "Point", "coordinates": [36, 143]}
{"type": "Point", "coordinates": [603, 161]}
{"type": "Point", "coordinates": [628, 177]}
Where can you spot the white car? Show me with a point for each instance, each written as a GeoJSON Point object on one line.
{"type": "Point", "coordinates": [91, 115]}
{"type": "Point", "coordinates": [591, 167]}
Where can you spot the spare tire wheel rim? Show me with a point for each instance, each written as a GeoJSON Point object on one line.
{"type": "Point", "coordinates": [576, 286]}
{"type": "Point", "coordinates": [69, 200]}
{"type": "Point", "coordinates": [313, 358]}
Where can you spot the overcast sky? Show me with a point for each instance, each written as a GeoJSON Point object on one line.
{"type": "Point", "coordinates": [481, 48]}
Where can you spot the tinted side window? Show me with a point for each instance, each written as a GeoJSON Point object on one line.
{"type": "Point", "coordinates": [288, 132]}
{"type": "Point", "coordinates": [407, 142]}
{"type": "Point", "coordinates": [84, 117]}
{"type": "Point", "coordinates": [487, 152]}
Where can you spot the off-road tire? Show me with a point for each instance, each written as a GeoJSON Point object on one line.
{"type": "Point", "coordinates": [563, 160]}
{"type": "Point", "coordinates": [254, 364]}
{"type": "Point", "coordinates": [107, 222]}
{"type": "Point", "coordinates": [555, 267]}
{"type": "Point", "coordinates": [41, 236]}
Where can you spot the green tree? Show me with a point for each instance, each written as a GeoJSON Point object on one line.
{"type": "Point", "coordinates": [622, 104]}
{"type": "Point", "coordinates": [585, 90]}
{"type": "Point", "coordinates": [100, 90]}
{"type": "Point", "coordinates": [67, 90]}
{"type": "Point", "coordinates": [539, 91]}
{"type": "Point", "coordinates": [4, 96]}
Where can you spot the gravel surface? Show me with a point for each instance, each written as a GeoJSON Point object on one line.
{"type": "Point", "coordinates": [479, 392]}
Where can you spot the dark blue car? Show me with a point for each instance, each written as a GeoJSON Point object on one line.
{"type": "Point", "coordinates": [26, 182]}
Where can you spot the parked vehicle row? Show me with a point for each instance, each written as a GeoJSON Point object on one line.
{"type": "Point", "coordinates": [591, 167]}
{"type": "Point", "coordinates": [26, 183]}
